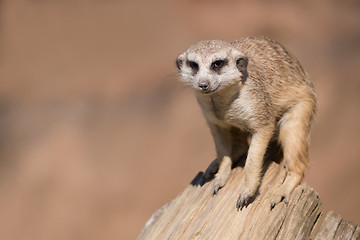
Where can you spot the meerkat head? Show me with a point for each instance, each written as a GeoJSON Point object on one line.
{"type": "Point", "coordinates": [210, 66]}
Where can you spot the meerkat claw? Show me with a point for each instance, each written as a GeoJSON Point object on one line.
{"type": "Point", "coordinates": [283, 198]}
{"type": "Point", "coordinates": [242, 201]}
{"type": "Point", "coordinates": [272, 205]}
{"type": "Point", "coordinates": [216, 189]}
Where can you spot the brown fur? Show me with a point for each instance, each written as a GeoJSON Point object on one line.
{"type": "Point", "coordinates": [260, 91]}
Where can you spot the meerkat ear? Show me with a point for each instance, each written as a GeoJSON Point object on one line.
{"type": "Point", "coordinates": [241, 64]}
{"type": "Point", "coordinates": [180, 61]}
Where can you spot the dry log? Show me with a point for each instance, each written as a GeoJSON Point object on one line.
{"type": "Point", "coordinates": [334, 227]}
{"type": "Point", "coordinates": [197, 214]}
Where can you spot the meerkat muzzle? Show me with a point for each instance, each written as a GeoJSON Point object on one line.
{"type": "Point", "coordinates": [204, 85]}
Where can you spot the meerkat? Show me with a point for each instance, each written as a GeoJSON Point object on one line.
{"type": "Point", "coordinates": [251, 92]}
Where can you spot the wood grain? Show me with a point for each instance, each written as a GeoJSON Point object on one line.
{"type": "Point", "coordinates": [197, 214]}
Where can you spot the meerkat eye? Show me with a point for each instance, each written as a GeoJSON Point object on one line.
{"type": "Point", "coordinates": [218, 64]}
{"type": "Point", "coordinates": [193, 65]}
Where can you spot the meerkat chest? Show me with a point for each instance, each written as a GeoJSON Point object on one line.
{"type": "Point", "coordinates": [222, 112]}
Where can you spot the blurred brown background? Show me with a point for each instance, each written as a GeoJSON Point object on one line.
{"type": "Point", "coordinates": [95, 134]}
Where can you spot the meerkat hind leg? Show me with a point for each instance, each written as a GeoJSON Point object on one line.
{"type": "Point", "coordinates": [293, 136]}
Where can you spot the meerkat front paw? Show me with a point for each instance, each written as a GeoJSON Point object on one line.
{"type": "Point", "coordinates": [280, 196]}
{"type": "Point", "coordinates": [219, 182]}
{"type": "Point", "coordinates": [279, 199]}
{"type": "Point", "coordinates": [246, 195]}
{"type": "Point", "coordinates": [223, 174]}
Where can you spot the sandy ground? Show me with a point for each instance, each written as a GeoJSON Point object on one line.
{"type": "Point", "coordinates": [95, 132]}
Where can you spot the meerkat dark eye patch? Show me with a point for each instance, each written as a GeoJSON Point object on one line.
{"type": "Point", "coordinates": [218, 64]}
{"type": "Point", "coordinates": [193, 65]}
{"type": "Point", "coordinates": [179, 63]}
{"type": "Point", "coordinates": [241, 64]}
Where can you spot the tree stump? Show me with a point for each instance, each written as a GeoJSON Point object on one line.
{"type": "Point", "coordinates": [197, 214]}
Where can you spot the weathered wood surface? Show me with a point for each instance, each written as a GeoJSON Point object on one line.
{"type": "Point", "coordinates": [334, 227]}
{"type": "Point", "coordinates": [197, 214]}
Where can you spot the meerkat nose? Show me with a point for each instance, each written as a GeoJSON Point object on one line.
{"type": "Point", "coordinates": [204, 85]}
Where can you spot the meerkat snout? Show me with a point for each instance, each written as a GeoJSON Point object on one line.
{"type": "Point", "coordinates": [204, 85]}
